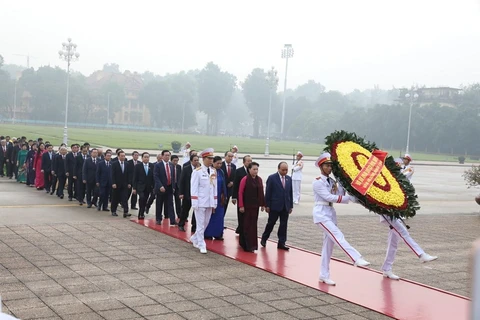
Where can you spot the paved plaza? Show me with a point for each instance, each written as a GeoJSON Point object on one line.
{"type": "Point", "coordinates": [59, 260]}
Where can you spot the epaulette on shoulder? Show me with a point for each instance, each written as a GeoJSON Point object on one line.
{"type": "Point", "coordinates": [199, 168]}
{"type": "Point", "coordinates": [318, 178]}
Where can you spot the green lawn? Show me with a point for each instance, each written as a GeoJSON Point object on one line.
{"type": "Point", "coordinates": [152, 140]}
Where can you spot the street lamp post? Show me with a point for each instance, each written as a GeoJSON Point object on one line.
{"type": "Point", "coordinates": [272, 80]}
{"type": "Point", "coordinates": [412, 97]}
{"type": "Point", "coordinates": [69, 54]}
{"type": "Point", "coordinates": [287, 52]}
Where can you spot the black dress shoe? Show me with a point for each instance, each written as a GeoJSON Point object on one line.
{"type": "Point", "coordinates": [133, 208]}
{"type": "Point", "coordinates": [70, 199]}
{"type": "Point", "coordinates": [114, 214]}
{"type": "Point", "coordinates": [61, 196]}
{"type": "Point", "coordinates": [263, 243]}
{"type": "Point", "coordinates": [106, 209]}
{"type": "Point", "coordinates": [208, 238]}
{"type": "Point", "coordinates": [181, 229]}
{"type": "Point", "coordinates": [283, 247]}
{"type": "Point", "coordinates": [89, 206]}
{"type": "Point", "coordinates": [126, 215]}
{"type": "Point", "coordinates": [159, 222]}
{"type": "Point", "coordinates": [219, 238]}
{"type": "Point", "coordinates": [50, 192]}
{"type": "Point", "coordinates": [141, 217]}
{"type": "Point", "coordinates": [146, 210]}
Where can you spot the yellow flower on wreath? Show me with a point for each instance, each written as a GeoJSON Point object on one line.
{"type": "Point", "coordinates": [386, 190]}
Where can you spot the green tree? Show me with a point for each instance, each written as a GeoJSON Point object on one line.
{"type": "Point", "coordinates": [310, 90]}
{"type": "Point", "coordinates": [215, 89]}
{"type": "Point", "coordinates": [111, 67]}
{"type": "Point", "coordinates": [1, 60]}
{"type": "Point", "coordinates": [6, 94]}
{"type": "Point", "coordinates": [112, 96]}
{"type": "Point", "coordinates": [155, 97]}
{"type": "Point", "coordinates": [256, 91]}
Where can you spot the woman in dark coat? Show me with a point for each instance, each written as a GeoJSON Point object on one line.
{"type": "Point", "coordinates": [250, 199]}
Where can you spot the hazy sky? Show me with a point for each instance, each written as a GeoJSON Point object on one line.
{"type": "Point", "coordinates": [344, 44]}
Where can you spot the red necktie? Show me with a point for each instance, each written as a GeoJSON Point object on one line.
{"type": "Point", "coordinates": [167, 169]}
{"type": "Point", "coordinates": [228, 170]}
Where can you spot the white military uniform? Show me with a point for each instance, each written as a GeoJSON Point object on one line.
{"type": "Point", "coordinates": [297, 180]}
{"type": "Point", "coordinates": [203, 191]}
{"type": "Point", "coordinates": [235, 156]}
{"type": "Point", "coordinates": [325, 194]}
{"type": "Point", "coordinates": [398, 231]}
{"type": "Point", "coordinates": [186, 155]}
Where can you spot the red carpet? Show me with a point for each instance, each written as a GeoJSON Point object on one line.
{"type": "Point", "coordinates": [402, 299]}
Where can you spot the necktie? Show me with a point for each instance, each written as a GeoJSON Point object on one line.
{"type": "Point", "coordinates": [167, 169]}
{"type": "Point", "coordinates": [121, 165]}
{"type": "Point", "coordinates": [50, 155]}
{"type": "Point", "coordinates": [94, 161]}
{"type": "Point", "coordinates": [208, 170]}
{"type": "Point", "coordinates": [329, 181]}
{"type": "Point", "coordinates": [228, 170]}
{"type": "Point", "coordinates": [283, 182]}
{"type": "Point", "coordinates": [107, 164]}
{"type": "Point", "coordinates": [146, 169]}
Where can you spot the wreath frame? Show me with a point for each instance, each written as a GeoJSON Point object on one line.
{"type": "Point", "coordinates": [412, 205]}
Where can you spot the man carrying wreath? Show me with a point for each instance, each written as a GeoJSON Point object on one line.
{"type": "Point", "coordinates": [326, 192]}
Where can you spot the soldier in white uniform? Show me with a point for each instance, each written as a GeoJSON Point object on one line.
{"type": "Point", "coordinates": [297, 177]}
{"type": "Point", "coordinates": [186, 153]}
{"type": "Point", "coordinates": [399, 231]}
{"type": "Point", "coordinates": [203, 191]}
{"type": "Point", "coordinates": [235, 156]}
{"type": "Point", "coordinates": [326, 192]}
{"type": "Point", "coordinates": [407, 169]}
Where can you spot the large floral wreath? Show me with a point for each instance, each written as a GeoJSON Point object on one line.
{"type": "Point", "coordinates": [391, 194]}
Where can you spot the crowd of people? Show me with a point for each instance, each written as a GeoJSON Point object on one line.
{"type": "Point", "coordinates": [199, 182]}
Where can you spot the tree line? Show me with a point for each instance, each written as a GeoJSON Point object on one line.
{"type": "Point", "coordinates": [214, 101]}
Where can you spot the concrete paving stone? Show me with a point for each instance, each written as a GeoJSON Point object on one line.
{"type": "Point", "coordinates": [151, 310]}
{"type": "Point", "coordinates": [332, 310]}
{"type": "Point", "coordinates": [169, 316]}
{"type": "Point", "coordinates": [92, 272]}
{"type": "Point", "coordinates": [305, 313]}
{"type": "Point", "coordinates": [92, 296]}
{"type": "Point", "coordinates": [71, 262]}
{"type": "Point", "coordinates": [222, 291]}
{"type": "Point", "coordinates": [9, 278]}
{"type": "Point", "coordinates": [154, 290]}
{"type": "Point", "coordinates": [98, 259]}
{"type": "Point", "coordinates": [119, 314]}
{"type": "Point", "coordinates": [140, 283]}
{"type": "Point", "coordinates": [239, 299]}
{"type": "Point", "coordinates": [50, 292]}
{"type": "Point", "coordinates": [279, 315]}
{"type": "Point", "coordinates": [309, 301]}
{"type": "Point", "coordinates": [84, 316]}
{"type": "Point", "coordinates": [16, 295]}
{"type": "Point", "coordinates": [124, 293]}
{"type": "Point", "coordinates": [372, 315]}
{"type": "Point", "coordinates": [229, 312]}
{"type": "Point", "coordinates": [73, 281]}
{"type": "Point", "coordinates": [195, 294]}
{"type": "Point", "coordinates": [138, 301]}
{"type": "Point", "coordinates": [351, 307]}
{"type": "Point", "coordinates": [60, 300]}
{"type": "Point", "coordinates": [284, 304]}
{"type": "Point", "coordinates": [257, 307]}
{"type": "Point", "coordinates": [75, 308]}
{"type": "Point", "coordinates": [206, 284]}
{"type": "Point", "coordinates": [41, 284]}
{"type": "Point", "coordinates": [105, 305]}
{"type": "Point", "coordinates": [290, 294]}
{"type": "Point", "coordinates": [103, 278]}
{"type": "Point", "coordinates": [350, 317]}
{"type": "Point", "coordinates": [166, 298]}
{"type": "Point", "coordinates": [34, 313]}
{"type": "Point", "coordinates": [199, 315]}
{"type": "Point", "coordinates": [112, 285]}
{"type": "Point", "coordinates": [246, 317]}
{"type": "Point", "coordinates": [179, 286]}
{"type": "Point", "coordinates": [265, 296]}
{"type": "Point", "coordinates": [82, 288]}
{"type": "Point", "coordinates": [212, 303]}
{"type": "Point", "coordinates": [182, 305]}
{"type": "Point", "coordinates": [12, 286]}
{"type": "Point", "coordinates": [129, 276]}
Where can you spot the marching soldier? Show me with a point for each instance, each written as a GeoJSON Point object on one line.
{"type": "Point", "coordinates": [203, 190]}
{"type": "Point", "coordinates": [398, 230]}
{"type": "Point", "coordinates": [326, 192]}
{"type": "Point", "coordinates": [297, 177]}
{"type": "Point", "coordinates": [235, 156]}
{"type": "Point", "coordinates": [407, 169]}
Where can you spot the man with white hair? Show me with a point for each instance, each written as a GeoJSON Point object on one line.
{"type": "Point", "coordinates": [297, 177]}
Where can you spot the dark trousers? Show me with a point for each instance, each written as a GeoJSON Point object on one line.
{"type": "Point", "coordinates": [91, 193]}
{"type": "Point", "coordinates": [62, 179]}
{"type": "Point", "coordinates": [72, 188]}
{"type": "Point", "coordinates": [239, 219]}
{"type": "Point", "coordinates": [150, 200]}
{"type": "Point", "coordinates": [120, 195]}
{"type": "Point", "coordinates": [3, 167]}
{"type": "Point", "coordinates": [178, 203]}
{"type": "Point", "coordinates": [142, 201]}
{"type": "Point", "coordinates": [186, 205]}
{"type": "Point", "coordinates": [282, 229]}
{"type": "Point", "coordinates": [133, 198]}
{"type": "Point", "coordinates": [104, 194]}
{"type": "Point", "coordinates": [80, 189]}
{"type": "Point", "coordinates": [14, 170]}
{"type": "Point", "coordinates": [47, 178]}
{"type": "Point", "coordinates": [165, 201]}
{"type": "Point", "coordinates": [54, 183]}
{"type": "Point", "coordinates": [9, 169]}
{"type": "Point", "coordinates": [227, 201]}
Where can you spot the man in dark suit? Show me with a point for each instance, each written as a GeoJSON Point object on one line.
{"type": "Point", "coordinates": [71, 157]}
{"type": "Point", "coordinates": [47, 160]}
{"type": "Point", "coordinates": [142, 183]}
{"type": "Point", "coordinates": [191, 153]}
{"type": "Point", "coordinates": [228, 169]}
{"type": "Point", "coordinates": [78, 174]}
{"type": "Point", "coordinates": [13, 160]}
{"type": "Point", "coordinates": [59, 169]}
{"type": "Point", "coordinates": [164, 188]}
{"type": "Point", "coordinates": [9, 157]}
{"type": "Point", "coordinates": [184, 191]}
{"type": "Point", "coordinates": [279, 204]}
{"type": "Point", "coordinates": [104, 181]}
{"type": "Point", "coordinates": [121, 182]}
{"type": "Point", "coordinates": [3, 156]}
{"type": "Point", "coordinates": [177, 172]}
{"type": "Point", "coordinates": [131, 165]}
{"type": "Point", "coordinates": [239, 174]}
{"type": "Point", "coordinates": [89, 178]}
